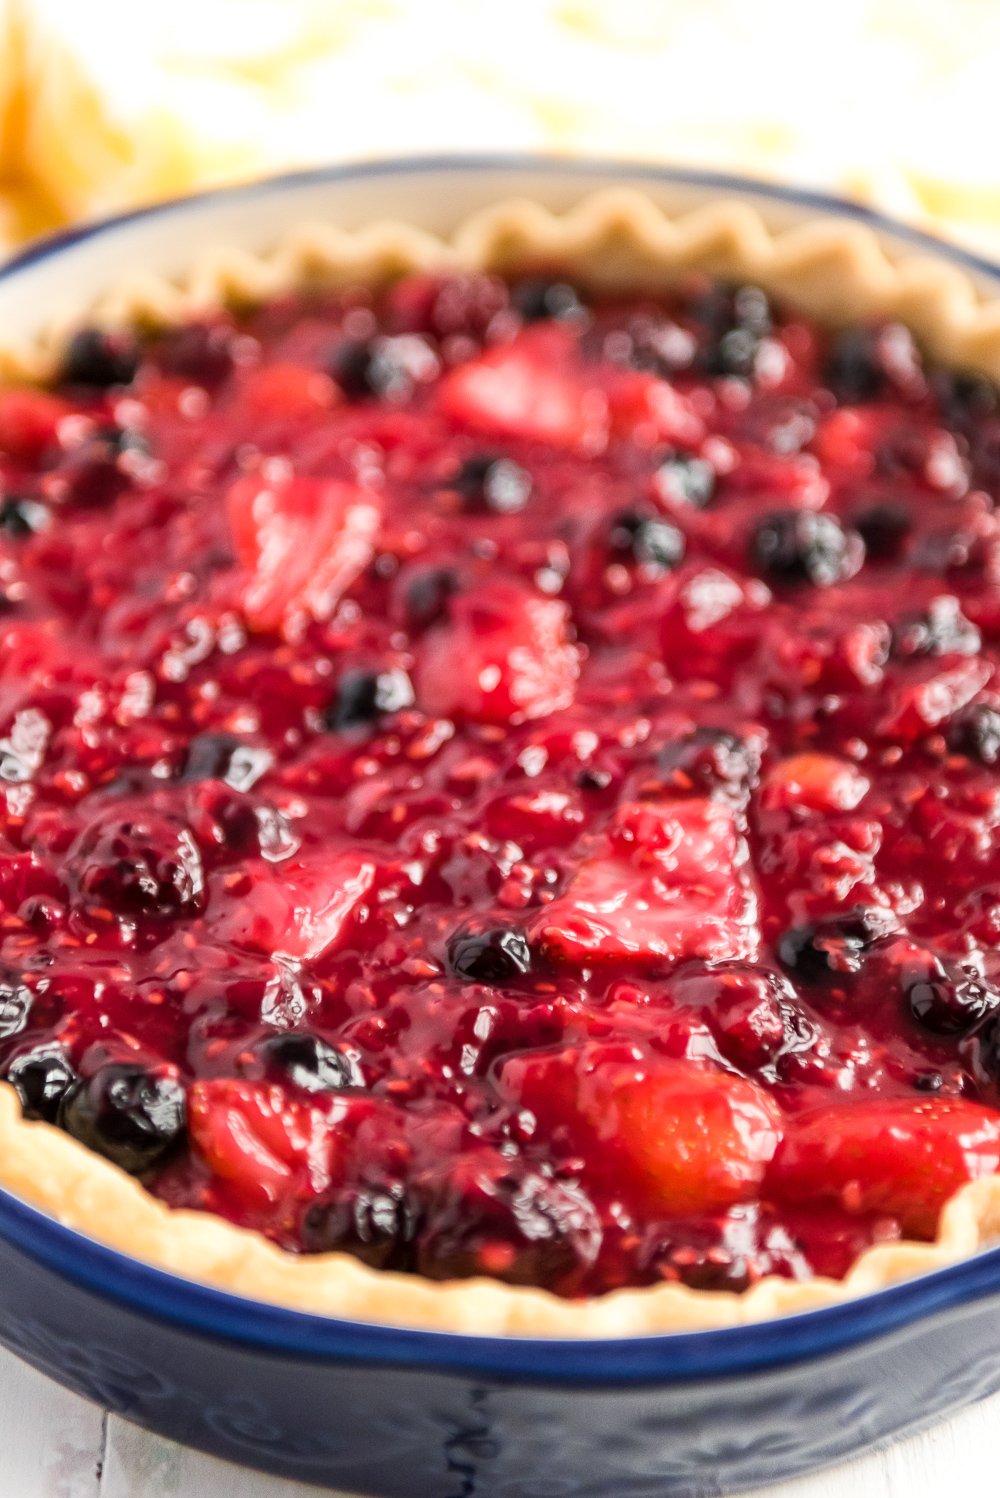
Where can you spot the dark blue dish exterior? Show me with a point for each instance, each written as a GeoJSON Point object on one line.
{"type": "Point", "coordinates": [382, 1411]}
{"type": "Point", "coordinates": [376, 1410]}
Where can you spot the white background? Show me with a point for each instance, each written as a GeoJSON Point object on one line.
{"type": "Point", "coordinates": [54, 1445]}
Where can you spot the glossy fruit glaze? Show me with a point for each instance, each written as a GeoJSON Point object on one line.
{"type": "Point", "coordinates": [505, 783]}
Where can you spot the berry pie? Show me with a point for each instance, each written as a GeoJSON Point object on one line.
{"type": "Point", "coordinates": [500, 775]}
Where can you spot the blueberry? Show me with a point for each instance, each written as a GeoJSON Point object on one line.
{"type": "Point", "coordinates": [208, 756]}
{"type": "Point", "coordinates": [590, 778]}
{"type": "Point", "coordinates": [97, 472]}
{"type": "Point", "coordinates": [309, 1062]}
{"type": "Point", "coordinates": [537, 300]}
{"type": "Point", "coordinates": [21, 516]}
{"type": "Point", "coordinates": [853, 370]}
{"type": "Point", "coordinates": [223, 756]}
{"type": "Point", "coordinates": [975, 732]}
{"type": "Point", "coordinates": [16, 999]}
{"type": "Point", "coordinates": [864, 364]}
{"type": "Point", "coordinates": [100, 360]}
{"type": "Point", "coordinates": [363, 696]}
{"type": "Point", "coordinates": [377, 1224]}
{"type": "Point", "coordinates": [371, 368]}
{"type": "Point", "coordinates": [928, 1081]}
{"type": "Point", "coordinates": [133, 1117]}
{"type": "Point", "coordinates": [735, 320]}
{"type": "Point", "coordinates": [426, 596]}
{"type": "Point", "coordinates": [143, 866]}
{"type": "Point", "coordinates": [114, 441]}
{"type": "Point", "coordinates": [965, 397]}
{"type": "Point", "coordinates": [802, 546]}
{"type": "Point", "coordinates": [488, 482]}
{"type": "Point", "coordinates": [513, 1224]}
{"type": "Point", "coordinates": [783, 424]}
{"type": "Point", "coordinates": [199, 352]}
{"type": "Point", "coordinates": [708, 759]}
{"type": "Point", "coordinates": [833, 945]}
{"type": "Point", "coordinates": [647, 539]}
{"type": "Point", "coordinates": [686, 479]}
{"type": "Point", "coordinates": [949, 1007]}
{"type": "Point", "coordinates": [41, 1077]}
{"type": "Point", "coordinates": [942, 630]}
{"type": "Point", "coordinates": [494, 955]}
{"type": "Point", "coordinates": [884, 527]}
{"type": "Point", "coordinates": [651, 342]}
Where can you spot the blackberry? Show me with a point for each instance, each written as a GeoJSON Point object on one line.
{"type": "Point", "coordinates": [143, 866]}
{"type": "Point", "coordinates": [708, 759]}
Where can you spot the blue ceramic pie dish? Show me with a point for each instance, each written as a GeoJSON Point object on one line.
{"type": "Point", "coordinates": [407, 1414]}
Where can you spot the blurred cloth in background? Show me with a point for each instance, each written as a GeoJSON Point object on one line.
{"type": "Point", "coordinates": [113, 103]}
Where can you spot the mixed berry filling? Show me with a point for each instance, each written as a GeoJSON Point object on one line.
{"type": "Point", "coordinates": [498, 781]}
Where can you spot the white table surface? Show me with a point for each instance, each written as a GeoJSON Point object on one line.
{"type": "Point", "coordinates": [55, 1445]}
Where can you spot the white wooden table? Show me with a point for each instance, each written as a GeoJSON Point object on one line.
{"type": "Point", "coordinates": [54, 1445]}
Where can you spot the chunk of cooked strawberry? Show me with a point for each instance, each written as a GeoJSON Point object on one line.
{"type": "Point", "coordinates": [888, 1155]}
{"type": "Point", "coordinates": [821, 782]}
{"type": "Point", "coordinates": [297, 909]}
{"type": "Point", "coordinates": [503, 655]}
{"type": "Point", "coordinates": [302, 541]}
{"type": "Point", "coordinates": [524, 389]}
{"type": "Point", "coordinates": [688, 1138]}
{"type": "Point", "coordinates": [927, 693]}
{"type": "Point", "coordinates": [668, 881]}
{"type": "Point", "coordinates": [712, 620]}
{"type": "Point", "coordinates": [285, 393]}
{"type": "Point", "coordinates": [29, 421]}
{"type": "Point", "coordinates": [642, 406]}
{"type": "Point", "coordinates": [268, 1148]}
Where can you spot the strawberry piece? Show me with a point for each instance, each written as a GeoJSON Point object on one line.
{"type": "Point", "coordinates": [502, 656]}
{"type": "Point", "coordinates": [713, 620]}
{"type": "Point", "coordinates": [689, 1139]}
{"type": "Point", "coordinates": [299, 908]}
{"type": "Point", "coordinates": [522, 389]}
{"type": "Point", "coordinates": [268, 1148]}
{"type": "Point", "coordinates": [888, 1155]}
{"type": "Point", "coordinates": [639, 403]}
{"type": "Point", "coordinates": [303, 541]}
{"type": "Point", "coordinates": [932, 693]}
{"type": "Point", "coordinates": [29, 421]}
{"type": "Point", "coordinates": [821, 782]}
{"type": "Point", "coordinates": [285, 392]}
{"type": "Point", "coordinates": [668, 882]}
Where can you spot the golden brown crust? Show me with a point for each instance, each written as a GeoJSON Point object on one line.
{"type": "Point", "coordinates": [834, 272]}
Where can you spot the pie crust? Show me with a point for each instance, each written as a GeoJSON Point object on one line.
{"type": "Point", "coordinates": [835, 272]}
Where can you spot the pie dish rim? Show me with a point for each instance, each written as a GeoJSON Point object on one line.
{"type": "Point", "coordinates": [80, 1189]}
